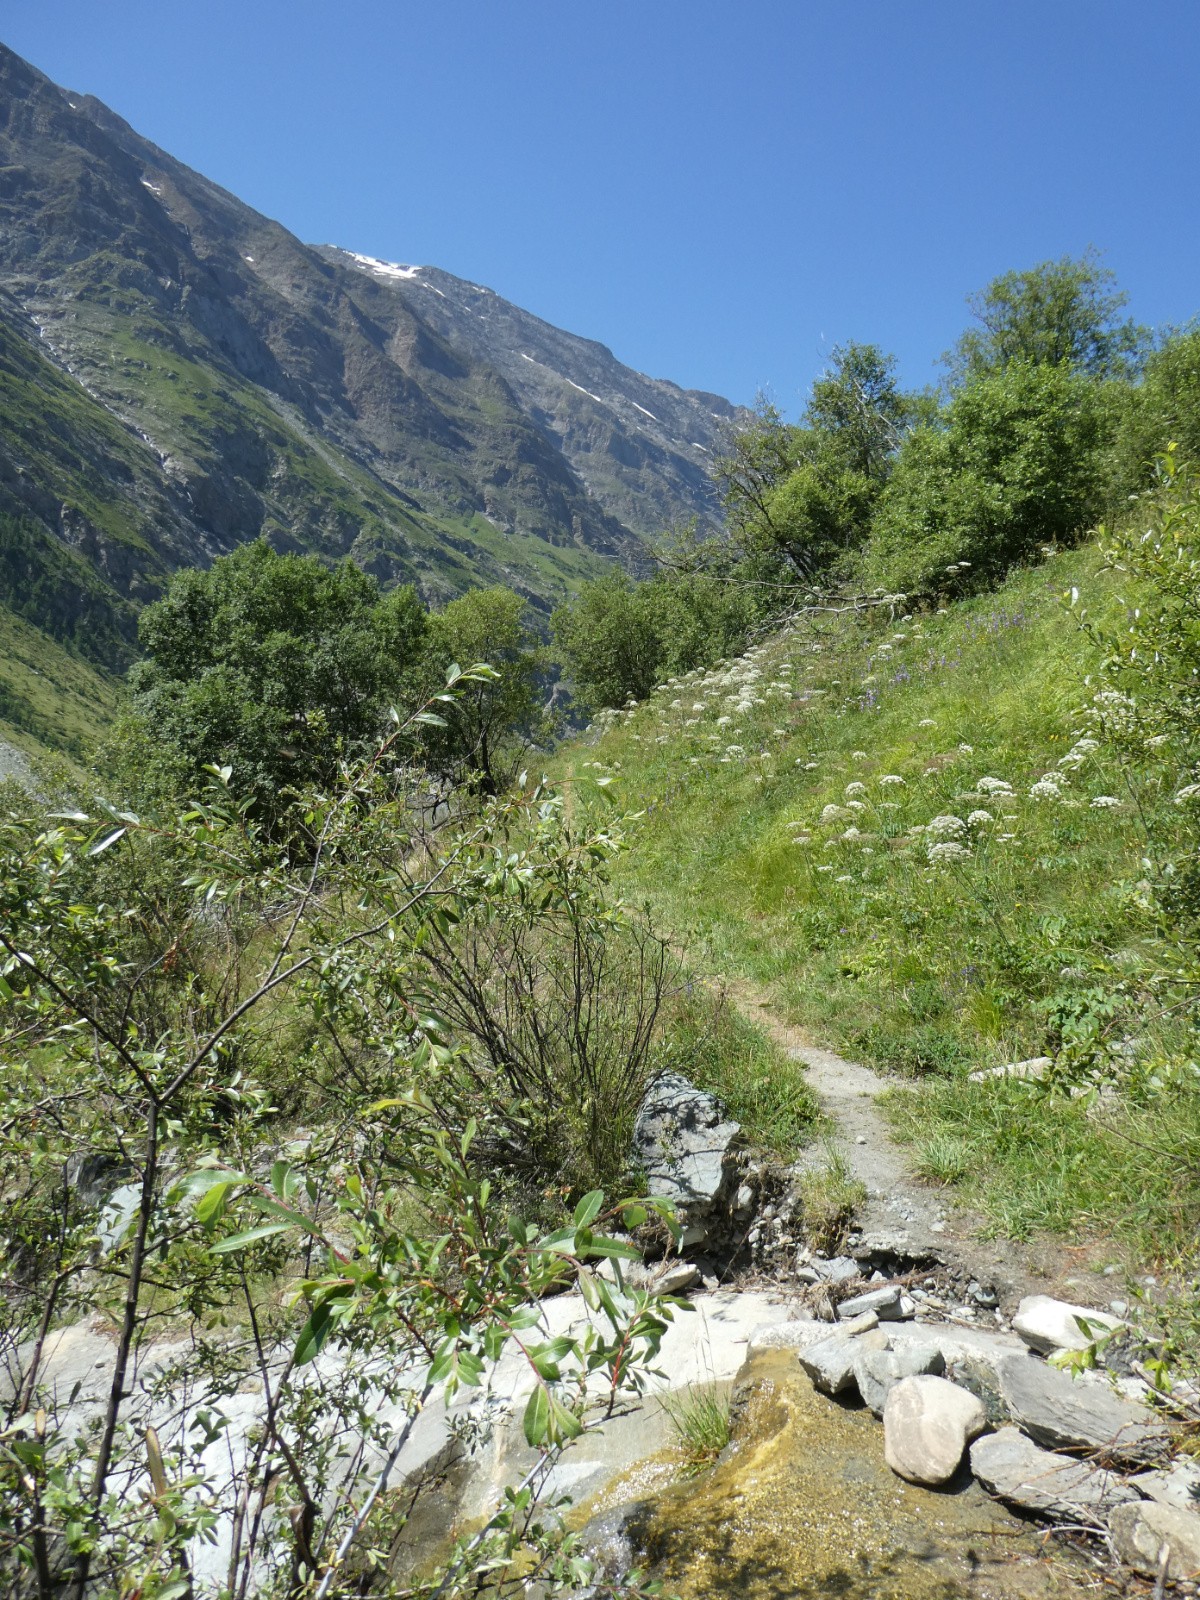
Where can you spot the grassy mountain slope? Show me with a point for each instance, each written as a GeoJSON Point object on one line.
{"type": "Point", "coordinates": [781, 795]}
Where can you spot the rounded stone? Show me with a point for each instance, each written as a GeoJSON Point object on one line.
{"type": "Point", "coordinates": [928, 1423]}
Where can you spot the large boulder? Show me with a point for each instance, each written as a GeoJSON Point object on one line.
{"type": "Point", "coordinates": [1047, 1325]}
{"type": "Point", "coordinates": [684, 1144]}
{"type": "Point", "coordinates": [1146, 1534]}
{"type": "Point", "coordinates": [928, 1423]}
{"type": "Point", "coordinates": [1014, 1469]}
{"type": "Point", "coordinates": [1067, 1414]}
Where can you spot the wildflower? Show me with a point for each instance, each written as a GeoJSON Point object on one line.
{"type": "Point", "coordinates": [722, 721]}
{"type": "Point", "coordinates": [811, 766]}
{"type": "Point", "coordinates": [858, 755]}
{"type": "Point", "coordinates": [690, 722]}
{"type": "Point", "coordinates": [699, 705]}
{"type": "Point", "coordinates": [1105, 802]}
{"type": "Point", "coordinates": [891, 777]}
{"type": "Point", "coordinates": [833, 814]}
{"type": "Point", "coordinates": [948, 827]}
{"type": "Point", "coordinates": [1046, 789]}
{"type": "Point", "coordinates": [1188, 792]}
{"type": "Point", "coordinates": [855, 788]}
{"type": "Point", "coordinates": [735, 750]}
{"type": "Point", "coordinates": [946, 852]}
{"type": "Point", "coordinates": [1005, 837]}
{"type": "Point", "coordinates": [824, 869]}
{"type": "Point", "coordinates": [845, 878]}
{"type": "Point", "coordinates": [676, 705]}
{"type": "Point", "coordinates": [851, 833]}
{"type": "Point", "coordinates": [978, 818]}
{"type": "Point", "coordinates": [994, 786]}
{"type": "Point", "coordinates": [966, 749]}
{"type": "Point", "coordinates": [855, 805]}
{"type": "Point", "coordinates": [927, 722]}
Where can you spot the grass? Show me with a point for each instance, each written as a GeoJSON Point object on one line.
{"type": "Point", "coordinates": [51, 700]}
{"type": "Point", "coordinates": [700, 1419]}
{"type": "Point", "coordinates": [792, 832]}
{"type": "Point", "coordinates": [829, 1198]}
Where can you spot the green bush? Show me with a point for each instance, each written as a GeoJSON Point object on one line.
{"type": "Point", "coordinates": [1015, 464]}
{"type": "Point", "coordinates": [1163, 409]}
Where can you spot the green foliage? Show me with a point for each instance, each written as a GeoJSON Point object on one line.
{"type": "Point", "coordinates": [608, 642]}
{"type": "Point", "coordinates": [830, 1197]}
{"type": "Point", "coordinates": [857, 405]}
{"type": "Point", "coordinates": [1059, 313]}
{"type": "Point", "coordinates": [1014, 465]}
{"type": "Point", "coordinates": [159, 975]}
{"type": "Point", "coordinates": [1163, 409]}
{"type": "Point", "coordinates": [276, 666]}
{"type": "Point", "coordinates": [494, 722]}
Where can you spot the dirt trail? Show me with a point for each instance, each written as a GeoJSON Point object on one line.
{"type": "Point", "coordinates": [919, 1218]}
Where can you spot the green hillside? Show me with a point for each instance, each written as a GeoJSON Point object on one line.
{"type": "Point", "coordinates": [889, 823]}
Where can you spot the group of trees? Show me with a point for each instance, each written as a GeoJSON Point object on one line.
{"type": "Point", "coordinates": [1054, 408]}
{"type": "Point", "coordinates": [283, 669]}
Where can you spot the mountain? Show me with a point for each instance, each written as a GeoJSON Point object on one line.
{"type": "Point", "coordinates": [180, 374]}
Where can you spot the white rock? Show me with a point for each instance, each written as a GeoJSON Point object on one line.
{"type": "Point", "coordinates": [1047, 1325]}
{"type": "Point", "coordinates": [1177, 1485]}
{"type": "Point", "coordinates": [830, 1364]}
{"type": "Point", "coordinates": [877, 1372]}
{"type": "Point", "coordinates": [1013, 1468]}
{"type": "Point", "coordinates": [1066, 1414]}
{"type": "Point", "coordinates": [1035, 1067]}
{"type": "Point", "coordinates": [927, 1425]}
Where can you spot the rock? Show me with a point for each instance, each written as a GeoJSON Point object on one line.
{"type": "Point", "coordinates": [1035, 1067]}
{"type": "Point", "coordinates": [1014, 1469]}
{"type": "Point", "coordinates": [1177, 1485]}
{"type": "Point", "coordinates": [1064, 1413]}
{"type": "Point", "coordinates": [887, 1304]}
{"type": "Point", "coordinates": [877, 1372]}
{"type": "Point", "coordinates": [1047, 1325]}
{"type": "Point", "coordinates": [684, 1144]}
{"type": "Point", "coordinates": [830, 1364]}
{"type": "Point", "coordinates": [680, 1275]}
{"type": "Point", "coordinates": [839, 1270]}
{"type": "Point", "coordinates": [1143, 1531]}
{"type": "Point", "coordinates": [927, 1426]}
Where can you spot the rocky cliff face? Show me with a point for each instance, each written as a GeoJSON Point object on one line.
{"type": "Point", "coordinates": [180, 374]}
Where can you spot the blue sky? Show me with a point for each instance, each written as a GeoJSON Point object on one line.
{"type": "Point", "coordinates": [718, 191]}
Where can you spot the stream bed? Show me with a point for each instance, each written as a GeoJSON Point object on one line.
{"type": "Point", "coordinates": [801, 1505]}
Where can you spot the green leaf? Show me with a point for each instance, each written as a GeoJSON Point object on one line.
{"type": "Point", "coordinates": [314, 1333]}
{"type": "Point", "coordinates": [633, 1216]}
{"type": "Point", "coordinates": [239, 1241]}
{"type": "Point", "coordinates": [536, 1420]}
{"type": "Point", "coordinates": [588, 1208]}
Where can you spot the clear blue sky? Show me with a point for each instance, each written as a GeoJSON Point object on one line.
{"type": "Point", "coordinates": [718, 191]}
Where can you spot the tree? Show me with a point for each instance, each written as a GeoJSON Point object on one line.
{"type": "Point", "coordinates": [1164, 409]}
{"type": "Point", "coordinates": [857, 404]}
{"type": "Point", "coordinates": [274, 665]}
{"type": "Point", "coordinates": [498, 716]}
{"type": "Point", "coordinates": [1063, 312]}
{"type": "Point", "coordinates": [1016, 463]}
{"type": "Point", "coordinates": [609, 642]}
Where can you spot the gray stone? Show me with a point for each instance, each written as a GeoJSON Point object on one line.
{"type": "Point", "coordinates": [885, 1303]}
{"type": "Point", "coordinates": [680, 1275]}
{"type": "Point", "coordinates": [877, 1372]}
{"type": "Point", "coordinates": [1047, 1325]}
{"type": "Point", "coordinates": [1014, 1469]}
{"type": "Point", "coordinates": [838, 1270]}
{"type": "Point", "coordinates": [927, 1426]}
{"type": "Point", "coordinates": [1064, 1413]}
{"type": "Point", "coordinates": [1177, 1485]}
{"type": "Point", "coordinates": [1144, 1533]}
{"type": "Point", "coordinates": [830, 1364]}
{"type": "Point", "coordinates": [684, 1144]}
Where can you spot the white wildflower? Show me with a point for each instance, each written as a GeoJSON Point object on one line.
{"type": "Point", "coordinates": [892, 778]}
{"type": "Point", "coordinates": [927, 722]}
{"type": "Point", "coordinates": [851, 833]}
{"type": "Point", "coordinates": [946, 827]}
{"type": "Point", "coordinates": [1188, 792]}
{"type": "Point", "coordinates": [833, 814]}
{"type": "Point", "coordinates": [858, 755]}
{"type": "Point", "coordinates": [946, 853]}
{"type": "Point", "coordinates": [811, 766]}
{"type": "Point", "coordinates": [824, 869]}
{"type": "Point", "coordinates": [966, 749]}
{"type": "Point", "coordinates": [999, 786]}
{"type": "Point", "coordinates": [1046, 788]}
{"type": "Point", "coordinates": [1105, 802]}
{"type": "Point", "coordinates": [978, 818]}
{"type": "Point", "coordinates": [735, 750]}
{"type": "Point", "coordinates": [723, 721]}
{"type": "Point", "coordinates": [855, 788]}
